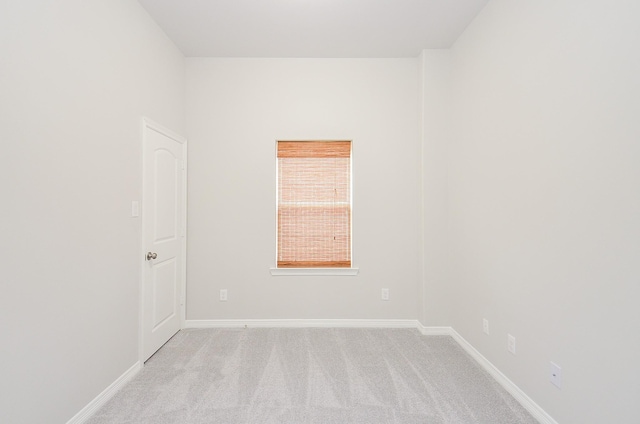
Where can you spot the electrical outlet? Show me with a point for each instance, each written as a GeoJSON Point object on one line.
{"type": "Point", "coordinates": [485, 326]}
{"type": "Point", "coordinates": [511, 344]}
{"type": "Point", "coordinates": [384, 295]}
{"type": "Point", "coordinates": [135, 209]}
{"type": "Point", "coordinates": [555, 375]}
{"type": "Point", "coordinates": [223, 295]}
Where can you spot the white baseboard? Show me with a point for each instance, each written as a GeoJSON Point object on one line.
{"type": "Point", "coordinates": [106, 394]}
{"type": "Point", "coordinates": [434, 331]}
{"type": "Point", "coordinates": [522, 398]}
{"type": "Point", "coordinates": [302, 323]}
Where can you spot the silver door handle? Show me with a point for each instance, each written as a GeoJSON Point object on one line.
{"type": "Point", "coordinates": [151, 255]}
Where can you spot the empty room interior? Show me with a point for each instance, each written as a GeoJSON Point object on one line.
{"type": "Point", "coordinates": [494, 151]}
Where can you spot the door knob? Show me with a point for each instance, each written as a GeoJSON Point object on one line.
{"type": "Point", "coordinates": [151, 255]}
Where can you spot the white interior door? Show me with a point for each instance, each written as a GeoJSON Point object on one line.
{"type": "Point", "coordinates": [163, 222]}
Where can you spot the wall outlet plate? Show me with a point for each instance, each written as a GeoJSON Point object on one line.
{"type": "Point", "coordinates": [555, 374]}
{"type": "Point", "coordinates": [135, 209]}
{"type": "Point", "coordinates": [223, 295]}
{"type": "Point", "coordinates": [485, 326]}
{"type": "Point", "coordinates": [384, 294]}
{"type": "Point", "coordinates": [511, 344]}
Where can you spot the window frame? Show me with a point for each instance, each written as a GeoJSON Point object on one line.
{"type": "Point", "coordinates": [314, 271]}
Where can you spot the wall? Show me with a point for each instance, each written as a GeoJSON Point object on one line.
{"type": "Point", "coordinates": [543, 200]}
{"type": "Point", "coordinates": [237, 109]}
{"type": "Point", "coordinates": [435, 89]}
{"type": "Point", "coordinates": [75, 78]}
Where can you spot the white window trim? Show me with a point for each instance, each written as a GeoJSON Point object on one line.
{"type": "Point", "coordinates": [314, 271]}
{"type": "Point", "coordinates": [349, 272]}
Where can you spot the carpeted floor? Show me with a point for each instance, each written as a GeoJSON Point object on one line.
{"type": "Point", "coordinates": [311, 375]}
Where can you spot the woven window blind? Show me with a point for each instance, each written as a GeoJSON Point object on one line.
{"type": "Point", "coordinates": [314, 204]}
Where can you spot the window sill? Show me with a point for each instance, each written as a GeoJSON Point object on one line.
{"type": "Point", "coordinates": [314, 271]}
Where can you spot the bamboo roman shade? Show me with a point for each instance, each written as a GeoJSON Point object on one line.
{"type": "Point", "coordinates": [314, 204]}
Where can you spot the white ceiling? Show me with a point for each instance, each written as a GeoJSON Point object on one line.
{"type": "Point", "coordinates": [312, 28]}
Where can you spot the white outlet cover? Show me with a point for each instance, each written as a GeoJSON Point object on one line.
{"type": "Point", "coordinates": [511, 344]}
{"type": "Point", "coordinates": [555, 374]}
{"type": "Point", "coordinates": [485, 326]}
{"type": "Point", "coordinates": [135, 209]}
{"type": "Point", "coordinates": [223, 295]}
{"type": "Point", "coordinates": [384, 294]}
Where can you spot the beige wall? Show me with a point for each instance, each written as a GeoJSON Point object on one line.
{"type": "Point", "coordinates": [435, 90]}
{"type": "Point", "coordinates": [237, 109]}
{"type": "Point", "coordinates": [75, 79]}
{"type": "Point", "coordinates": [543, 200]}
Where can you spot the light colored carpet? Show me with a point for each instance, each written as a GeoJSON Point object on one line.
{"type": "Point", "coordinates": [311, 375]}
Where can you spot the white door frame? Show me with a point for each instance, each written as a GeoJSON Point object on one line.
{"type": "Point", "coordinates": [149, 125]}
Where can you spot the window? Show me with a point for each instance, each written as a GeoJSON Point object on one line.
{"type": "Point", "coordinates": [314, 204]}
